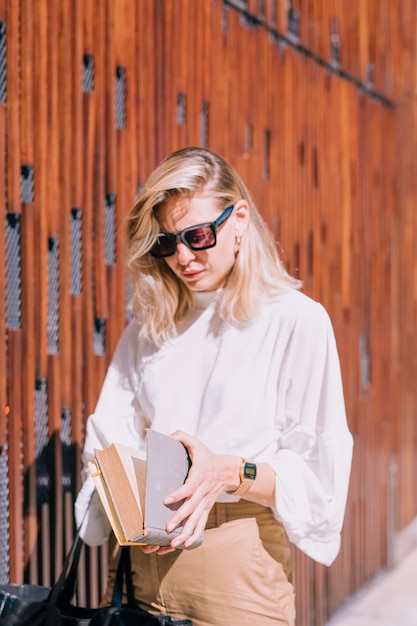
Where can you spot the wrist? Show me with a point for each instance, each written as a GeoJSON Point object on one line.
{"type": "Point", "coordinates": [247, 476]}
{"type": "Point", "coordinates": [230, 472]}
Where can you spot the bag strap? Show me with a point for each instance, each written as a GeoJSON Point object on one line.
{"type": "Point", "coordinates": [123, 574]}
{"type": "Point", "coordinates": [64, 588]}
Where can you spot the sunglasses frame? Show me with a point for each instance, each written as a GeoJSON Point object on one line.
{"type": "Point", "coordinates": [180, 237]}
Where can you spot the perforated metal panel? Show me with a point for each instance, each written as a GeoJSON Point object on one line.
{"type": "Point", "coordinates": [120, 98]}
{"type": "Point", "coordinates": [99, 336]}
{"type": "Point", "coordinates": [204, 119]}
{"type": "Point", "coordinates": [27, 189]}
{"type": "Point", "coordinates": [53, 295]}
{"type": "Point", "coordinates": [110, 228]}
{"type": "Point", "coordinates": [66, 432]}
{"type": "Point", "coordinates": [181, 109]}
{"type": "Point", "coordinates": [76, 252]}
{"type": "Point", "coordinates": [13, 272]}
{"type": "Point", "coordinates": [293, 24]}
{"type": "Point", "coordinates": [88, 73]}
{"type": "Point", "coordinates": [43, 479]}
{"type": "Point", "coordinates": [335, 43]}
{"type": "Point", "coordinates": [3, 63]}
{"type": "Point", "coordinates": [4, 516]}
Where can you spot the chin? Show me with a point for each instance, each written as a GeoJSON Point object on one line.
{"type": "Point", "coordinates": [202, 286]}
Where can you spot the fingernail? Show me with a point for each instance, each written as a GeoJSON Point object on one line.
{"type": "Point", "coordinates": [168, 500]}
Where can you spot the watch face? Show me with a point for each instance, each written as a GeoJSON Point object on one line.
{"type": "Point", "coordinates": [249, 471]}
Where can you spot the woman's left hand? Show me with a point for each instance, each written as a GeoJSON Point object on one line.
{"type": "Point", "coordinates": [210, 474]}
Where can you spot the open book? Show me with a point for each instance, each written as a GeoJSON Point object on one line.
{"type": "Point", "coordinates": [132, 486]}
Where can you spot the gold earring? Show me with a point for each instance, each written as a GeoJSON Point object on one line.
{"type": "Point", "coordinates": [238, 239]}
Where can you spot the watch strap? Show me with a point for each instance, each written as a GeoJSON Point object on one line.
{"type": "Point", "coordinates": [245, 482]}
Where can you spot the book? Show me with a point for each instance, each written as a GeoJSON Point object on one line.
{"type": "Point", "coordinates": [132, 485]}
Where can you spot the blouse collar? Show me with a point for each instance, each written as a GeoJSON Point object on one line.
{"type": "Point", "coordinates": [203, 299]}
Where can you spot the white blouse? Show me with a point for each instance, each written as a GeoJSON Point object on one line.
{"type": "Point", "coordinates": [269, 391]}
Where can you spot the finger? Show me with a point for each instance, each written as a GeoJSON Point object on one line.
{"type": "Point", "coordinates": [189, 507]}
{"type": "Point", "coordinates": [197, 532]}
{"type": "Point", "coordinates": [187, 490]}
{"type": "Point", "coordinates": [192, 529]}
{"type": "Point", "coordinates": [149, 549]}
{"type": "Point", "coordinates": [165, 550]}
{"type": "Point", "coordinates": [180, 435]}
{"type": "Point", "coordinates": [187, 440]}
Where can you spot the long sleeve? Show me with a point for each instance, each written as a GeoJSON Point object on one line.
{"type": "Point", "coordinates": [313, 463]}
{"type": "Point", "coordinates": [117, 418]}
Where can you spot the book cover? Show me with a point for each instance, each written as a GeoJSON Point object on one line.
{"type": "Point", "coordinates": [132, 486]}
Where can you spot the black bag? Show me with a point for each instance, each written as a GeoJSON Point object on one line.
{"type": "Point", "coordinates": [33, 605]}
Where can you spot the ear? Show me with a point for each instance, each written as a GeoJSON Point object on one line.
{"type": "Point", "coordinates": [242, 216]}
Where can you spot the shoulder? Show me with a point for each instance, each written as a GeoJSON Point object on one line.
{"type": "Point", "coordinates": [298, 319]}
{"type": "Point", "coordinates": [132, 328]}
{"type": "Point", "coordinates": [295, 307]}
{"type": "Point", "coordinates": [128, 341]}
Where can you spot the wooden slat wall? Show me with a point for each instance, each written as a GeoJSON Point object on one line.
{"type": "Point", "coordinates": [319, 119]}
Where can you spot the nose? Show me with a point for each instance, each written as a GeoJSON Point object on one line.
{"type": "Point", "coordinates": [184, 254]}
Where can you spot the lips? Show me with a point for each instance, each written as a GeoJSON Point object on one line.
{"type": "Point", "coordinates": [191, 275]}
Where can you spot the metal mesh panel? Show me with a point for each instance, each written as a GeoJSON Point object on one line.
{"type": "Point", "coordinates": [26, 183]}
{"type": "Point", "coordinates": [110, 228]}
{"type": "Point", "coordinates": [100, 336]}
{"type": "Point", "coordinates": [3, 63]}
{"type": "Point", "coordinates": [76, 252]}
{"type": "Point", "coordinates": [204, 123]}
{"type": "Point", "coordinates": [293, 24]}
{"type": "Point", "coordinates": [13, 272]}
{"type": "Point", "coordinates": [370, 76]}
{"type": "Point", "coordinates": [120, 98]}
{"type": "Point", "coordinates": [43, 478]}
{"type": "Point", "coordinates": [249, 137]}
{"type": "Point", "coordinates": [365, 360]}
{"type": "Point", "coordinates": [88, 73]}
{"type": "Point", "coordinates": [335, 43]}
{"type": "Point", "coordinates": [240, 4]}
{"type": "Point", "coordinates": [4, 517]}
{"type": "Point", "coordinates": [181, 109]}
{"type": "Point", "coordinates": [66, 449]}
{"type": "Point", "coordinates": [266, 149]}
{"type": "Point", "coordinates": [53, 295]}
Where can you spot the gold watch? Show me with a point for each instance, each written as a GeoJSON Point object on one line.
{"type": "Point", "coordinates": [247, 475]}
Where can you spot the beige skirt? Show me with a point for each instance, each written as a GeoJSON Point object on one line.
{"type": "Point", "coordinates": [240, 576]}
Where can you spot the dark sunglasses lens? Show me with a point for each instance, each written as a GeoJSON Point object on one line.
{"type": "Point", "coordinates": [200, 238]}
{"type": "Point", "coordinates": [164, 246]}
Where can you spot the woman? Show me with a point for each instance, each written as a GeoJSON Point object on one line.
{"type": "Point", "coordinates": [225, 354]}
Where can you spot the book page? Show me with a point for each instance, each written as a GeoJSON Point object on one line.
{"type": "Point", "coordinates": [134, 462]}
{"type": "Point", "coordinates": [108, 505]}
{"type": "Point", "coordinates": [122, 468]}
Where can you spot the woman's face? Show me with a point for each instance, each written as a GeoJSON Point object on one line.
{"type": "Point", "coordinates": [202, 270]}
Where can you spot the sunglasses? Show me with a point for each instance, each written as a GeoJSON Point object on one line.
{"type": "Point", "coordinates": [199, 237]}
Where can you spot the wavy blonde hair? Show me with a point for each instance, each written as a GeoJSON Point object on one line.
{"type": "Point", "coordinates": [160, 299]}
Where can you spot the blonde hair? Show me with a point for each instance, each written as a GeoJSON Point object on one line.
{"type": "Point", "coordinates": [160, 299]}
